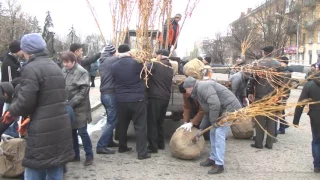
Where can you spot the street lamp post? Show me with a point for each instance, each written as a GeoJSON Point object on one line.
{"type": "Point", "coordinates": [51, 30]}
{"type": "Point", "coordinates": [298, 27]}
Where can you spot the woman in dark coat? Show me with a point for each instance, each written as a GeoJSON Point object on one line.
{"type": "Point", "coordinates": [77, 89]}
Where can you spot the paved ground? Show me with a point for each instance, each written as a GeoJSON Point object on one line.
{"type": "Point", "coordinates": [290, 159]}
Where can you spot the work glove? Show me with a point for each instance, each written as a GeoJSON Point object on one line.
{"type": "Point", "coordinates": [7, 118]}
{"type": "Point", "coordinates": [186, 127]}
{"type": "Point", "coordinates": [1, 151]}
{"type": "Point", "coordinates": [23, 126]}
{"type": "Point", "coordinates": [5, 137]}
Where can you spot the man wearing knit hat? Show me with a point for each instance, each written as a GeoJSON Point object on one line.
{"type": "Point", "coordinates": [11, 60]}
{"type": "Point", "coordinates": [215, 99]}
{"type": "Point", "coordinates": [42, 97]}
{"type": "Point", "coordinates": [130, 98]}
{"type": "Point", "coordinates": [108, 99]}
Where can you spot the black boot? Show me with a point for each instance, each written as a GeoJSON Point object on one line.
{"type": "Point", "coordinates": [316, 170]}
{"type": "Point", "coordinates": [216, 169]}
{"type": "Point", "coordinates": [255, 146]}
{"type": "Point", "coordinates": [113, 144]}
{"type": "Point", "coordinates": [123, 150]}
{"type": "Point", "coordinates": [105, 151]}
{"type": "Point", "coordinates": [146, 156]}
{"type": "Point", "coordinates": [207, 163]}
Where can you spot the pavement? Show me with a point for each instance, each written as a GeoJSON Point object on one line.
{"type": "Point", "coordinates": [94, 95]}
{"type": "Point", "coordinates": [290, 158]}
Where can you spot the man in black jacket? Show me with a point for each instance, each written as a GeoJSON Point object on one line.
{"type": "Point", "coordinates": [42, 97]}
{"type": "Point", "coordinates": [284, 61]}
{"type": "Point", "coordinates": [77, 49]}
{"type": "Point", "coordinates": [258, 88]}
{"type": "Point", "coordinates": [11, 60]}
{"type": "Point", "coordinates": [311, 91]}
{"type": "Point", "coordinates": [159, 95]}
{"type": "Point", "coordinates": [130, 99]}
{"type": "Point", "coordinates": [108, 99]}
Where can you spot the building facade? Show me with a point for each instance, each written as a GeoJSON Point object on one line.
{"type": "Point", "coordinates": [294, 25]}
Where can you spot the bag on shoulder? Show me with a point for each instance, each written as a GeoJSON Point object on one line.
{"type": "Point", "coordinates": [12, 167]}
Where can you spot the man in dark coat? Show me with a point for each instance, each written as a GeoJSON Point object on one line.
{"type": "Point", "coordinates": [77, 89]}
{"type": "Point", "coordinates": [42, 97]}
{"type": "Point", "coordinates": [286, 80]}
{"type": "Point", "coordinates": [108, 99]}
{"type": "Point", "coordinates": [215, 99]}
{"type": "Point", "coordinates": [173, 33]}
{"type": "Point", "coordinates": [130, 99]}
{"type": "Point", "coordinates": [311, 91]}
{"type": "Point", "coordinates": [159, 95]}
{"type": "Point", "coordinates": [258, 88]}
{"type": "Point", "coordinates": [77, 49]}
{"type": "Point", "coordinates": [11, 60]}
{"type": "Point", "coordinates": [239, 83]}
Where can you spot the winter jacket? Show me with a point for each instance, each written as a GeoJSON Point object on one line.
{"type": "Point", "coordinates": [13, 62]}
{"type": "Point", "coordinates": [214, 99]}
{"type": "Point", "coordinates": [238, 85]}
{"type": "Point", "coordinates": [310, 91]}
{"type": "Point", "coordinates": [128, 84]}
{"type": "Point", "coordinates": [77, 90]}
{"type": "Point", "coordinates": [105, 69]}
{"type": "Point", "coordinates": [191, 109]}
{"type": "Point", "coordinates": [42, 97]}
{"type": "Point", "coordinates": [93, 69]}
{"type": "Point", "coordinates": [161, 80]}
{"type": "Point", "coordinates": [260, 86]}
{"type": "Point", "coordinates": [286, 79]}
{"type": "Point", "coordinates": [86, 63]}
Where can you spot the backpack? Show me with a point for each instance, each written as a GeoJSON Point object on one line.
{"type": "Point", "coordinates": [12, 167]}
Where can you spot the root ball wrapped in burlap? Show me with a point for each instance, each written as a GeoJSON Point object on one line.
{"type": "Point", "coordinates": [182, 147]}
{"type": "Point", "coordinates": [194, 69]}
{"type": "Point", "coordinates": [242, 129]}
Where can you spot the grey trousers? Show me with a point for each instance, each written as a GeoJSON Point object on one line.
{"type": "Point", "coordinates": [267, 124]}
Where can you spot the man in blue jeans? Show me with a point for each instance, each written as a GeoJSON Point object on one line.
{"type": "Point", "coordinates": [215, 99]}
{"type": "Point", "coordinates": [311, 91]}
{"type": "Point", "coordinates": [107, 89]}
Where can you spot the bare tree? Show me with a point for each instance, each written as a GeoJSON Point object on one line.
{"type": "Point", "coordinates": [216, 48]}
{"type": "Point", "coordinates": [14, 24]}
{"type": "Point", "coordinates": [94, 43]}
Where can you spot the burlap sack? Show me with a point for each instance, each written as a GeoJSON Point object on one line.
{"type": "Point", "coordinates": [242, 130]}
{"type": "Point", "coordinates": [194, 69]}
{"type": "Point", "coordinates": [182, 147]}
{"type": "Point", "coordinates": [175, 66]}
{"type": "Point", "coordinates": [12, 168]}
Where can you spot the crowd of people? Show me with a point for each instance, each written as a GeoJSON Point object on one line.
{"type": "Point", "coordinates": [54, 104]}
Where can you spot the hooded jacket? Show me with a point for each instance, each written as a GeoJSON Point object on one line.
{"type": "Point", "coordinates": [310, 90]}
{"type": "Point", "coordinates": [214, 98]}
{"type": "Point", "coordinates": [105, 69]}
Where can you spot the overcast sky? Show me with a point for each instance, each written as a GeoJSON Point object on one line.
{"type": "Point", "coordinates": [209, 17]}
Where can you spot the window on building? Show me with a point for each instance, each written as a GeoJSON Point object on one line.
{"type": "Point", "coordinates": [304, 38]}
{"type": "Point", "coordinates": [310, 58]}
{"type": "Point", "coordinates": [310, 38]}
